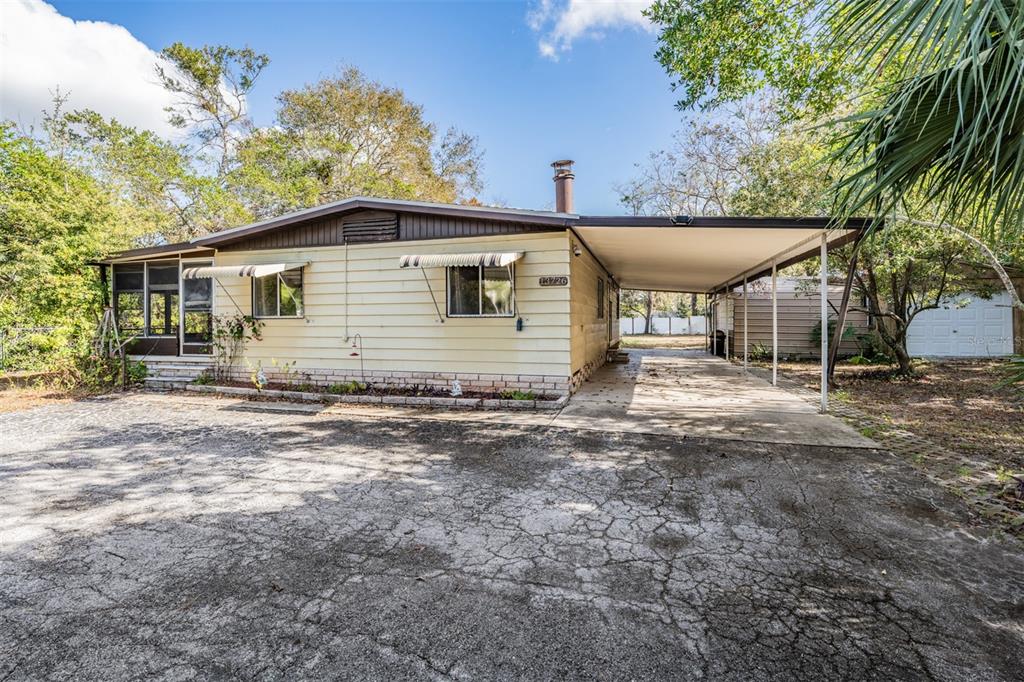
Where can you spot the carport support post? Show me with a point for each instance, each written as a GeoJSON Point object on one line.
{"type": "Point", "coordinates": [745, 324]}
{"type": "Point", "coordinates": [824, 322]}
{"type": "Point", "coordinates": [775, 328]}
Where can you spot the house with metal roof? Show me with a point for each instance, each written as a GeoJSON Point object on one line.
{"type": "Point", "coordinates": [403, 293]}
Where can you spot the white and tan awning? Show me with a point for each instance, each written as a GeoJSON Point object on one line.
{"type": "Point", "coordinates": [253, 270]}
{"type": "Point", "coordinates": [449, 260]}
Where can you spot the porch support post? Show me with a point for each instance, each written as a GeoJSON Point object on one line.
{"type": "Point", "coordinates": [714, 325]}
{"type": "Point", "coordinates": [824, 322]}
{"type": "Point", "coordinates": [775, 328]}
{"type": "Point", "coordinates": [745, 335]}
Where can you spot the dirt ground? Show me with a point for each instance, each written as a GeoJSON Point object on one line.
{"type": "Point", "coordinates": [955, 403]}
{"type": "Point", "coordinates": [663, 341]}
{"type": "Point", "coordinates": [25, 390]}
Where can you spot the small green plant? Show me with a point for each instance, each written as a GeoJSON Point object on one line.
{"type": "Point", "coordinates": [848, 332]}
{"type": "Point", "coordinates": [136, 371]}
{"type": "Point", "coordinates": [231, 335]}
{"type": "Point", "coordinates": [964, 471]}
{"type": "Point", "coordinates": [204, 379]}
{"type": "Point", "coordinates": [1004, 475]}
{"type": "Point", "coordinates": [257, 377]}
{"type": "Point", "coordinates": [1013, 373]}
{"type": "Point", "coordinates": [858, 360]}
{"type": "Point", "coordinates": [347, 389]}
{"type": "Point", "coordinates": [760, 352]}
{"type": "Point", "coordinates": [518, 395]}
{"type": "Point", "coordinates": [286, 371]}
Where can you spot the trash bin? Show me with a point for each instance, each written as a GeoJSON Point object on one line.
{"type": "Point", "coordinates": [719, 346]}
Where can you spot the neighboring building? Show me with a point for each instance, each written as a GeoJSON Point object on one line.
{"type": "Point", "coordinates": [407, 292]}
{"type": "Point", "coordinates": [967, 326]}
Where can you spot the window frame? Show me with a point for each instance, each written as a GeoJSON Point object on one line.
{"type": "Point", "coordinates": [115, 298]}
{"type": "Point", "coordinates": [479, 294]}
{"type": "Point", "coordinates": [601, 296]}
{"type": "Point", "coordinates": [279, 316]}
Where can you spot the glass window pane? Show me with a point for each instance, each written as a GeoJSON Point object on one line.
{"type": "Point", "coordinates": [265, 296]}
{"type": "Point", "coordinates": [128, 277]}
{"type": "Point", "coordinates": [163, 313]}
{"type": "Point", "coordinates": [600, 298]}
{"type": "Point", "coordinates": [129, 307]}
{"type": "Point", "coordinates": [198, 293]}
{"type": "Point", "coordinates": [464, 290]}
{"type": "Point", "coordinates": [291, 292]}
{"type": "Point", "coordinates": [497, 294]}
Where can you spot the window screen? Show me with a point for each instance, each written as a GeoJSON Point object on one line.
{"type": "Point", "coordinates": [278, 295]}
{"type": "Point", "coordinates": [481, 291]}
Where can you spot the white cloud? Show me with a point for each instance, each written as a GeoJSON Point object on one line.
{"type": "Point", "coordinates": [101, 66]}
{"type": "Point", "coordinates": [561, 23]}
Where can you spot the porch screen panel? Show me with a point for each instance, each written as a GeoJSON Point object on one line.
{"type": "Point", "coordinates": [129, 299]}
{"type": "Point", "coordinates": [197, 303]}
{"type": "Point", "coordinates": [162, 290]}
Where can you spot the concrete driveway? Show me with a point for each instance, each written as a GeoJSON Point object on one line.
{"type": "Point", "coordinates": [692, 393]}
{"type": "Point", "coordinates": [181, 538]}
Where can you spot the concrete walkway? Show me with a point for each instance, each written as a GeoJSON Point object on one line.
{"type": "Point", "coordinates": [659, 392]}
{"type": "Point", "coordinates": [691, 393]}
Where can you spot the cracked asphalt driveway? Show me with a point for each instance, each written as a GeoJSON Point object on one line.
{"type": "Point", "coordinates": [152, 536]}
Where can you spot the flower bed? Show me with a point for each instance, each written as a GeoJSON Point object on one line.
{"type": "Point", "coordinates": [383, 395]}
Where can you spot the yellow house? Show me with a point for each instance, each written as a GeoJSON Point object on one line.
{"type": "Point", "coordinates": [403, 293]}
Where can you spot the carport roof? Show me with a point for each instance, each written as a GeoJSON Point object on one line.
{"type": "Point", "coordinates": [684, 253]}
{"type": "Point", "coordinates": [704, 254]}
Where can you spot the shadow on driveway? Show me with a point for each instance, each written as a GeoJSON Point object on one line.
{"type": "Point", "coordinates": [161, 537]}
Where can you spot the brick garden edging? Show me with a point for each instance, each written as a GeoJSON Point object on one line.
{"type": "Point", "coordinates": [940, 465]}
{"type": "Point", "coordinates": [385, 400]}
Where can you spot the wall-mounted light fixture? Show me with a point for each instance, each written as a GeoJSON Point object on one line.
{"type": "Point", "coordinates": [576, 250]}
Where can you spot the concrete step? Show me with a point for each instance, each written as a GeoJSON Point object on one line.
{"type": "Point", "coordinates": [166, 383]}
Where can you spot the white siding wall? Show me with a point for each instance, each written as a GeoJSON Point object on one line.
{"type": "Point", "coordinates": [391, 309]}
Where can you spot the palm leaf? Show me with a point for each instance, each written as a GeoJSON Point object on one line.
{"type": "Point", "coordinates": [950, 125]}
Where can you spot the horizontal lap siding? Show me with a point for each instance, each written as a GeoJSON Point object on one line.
{"type": "Point", "coordinates": [797, 317]}
{"type": "Point", "coordinates": [392, 310]}
{"type": "Point", "coordinates": [589, 332]}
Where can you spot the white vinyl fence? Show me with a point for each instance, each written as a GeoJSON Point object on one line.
{"type": "Point", "coordinates": [663, 325]}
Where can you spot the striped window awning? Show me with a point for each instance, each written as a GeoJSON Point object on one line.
{"type": "Point", "coordinates": [449, 260]}
{"type": "Point", "coordinates": [255, 270]}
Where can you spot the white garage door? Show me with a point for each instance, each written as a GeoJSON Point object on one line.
{"type": "Point", "coordinates": [978, 329]}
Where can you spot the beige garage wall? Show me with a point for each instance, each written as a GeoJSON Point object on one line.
{"type": "Point", "coordinates": [798, 314]}
{"type": "Point", "coordinates": [391, 309]}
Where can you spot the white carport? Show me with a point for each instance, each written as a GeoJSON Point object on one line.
{"type": "Point", "coordinates": [715, 256]}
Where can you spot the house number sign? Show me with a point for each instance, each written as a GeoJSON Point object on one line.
{"type": "Point", "coordinates": [554, 281]}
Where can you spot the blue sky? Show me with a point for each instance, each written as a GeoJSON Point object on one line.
{"type": "Point", "coordinates": [598, 97]}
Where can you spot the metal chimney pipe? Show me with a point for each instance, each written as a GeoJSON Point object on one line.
{"type": "Point", "coordinates": [563, 185]}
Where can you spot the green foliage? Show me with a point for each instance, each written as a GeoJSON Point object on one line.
{"type": "Point", "coordinates": [347, 136]}
{"type": "Point", "coordinates": [211, 83]}
{"type": "Point", "coordinates": [1013, 373]}
{"type": "Point", "coordinates": [54, 220]}
{"type": "Point", "coordinates": [204, 379]}
{"type": "Point", "coordinates": [760, 352]}
{"type": "Point", "coordinates": [347, 388]}
{"type": "Point", "coordinates": [518, 395]}
{"type": "Point", "coordinates": [815, 334]}
{"type": "Point", "coordinates": [231, 335]}
{"type": "Point", "coordinates": [949, 126]}
{"type": "Point", "coordinates": [719, 51]}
